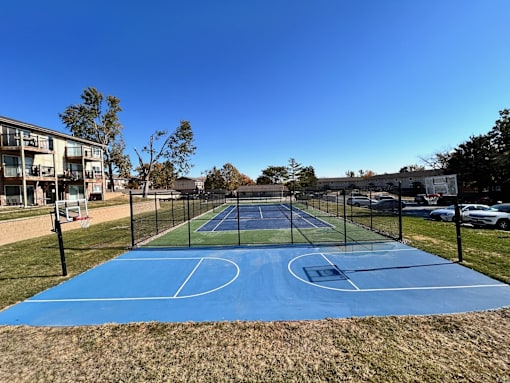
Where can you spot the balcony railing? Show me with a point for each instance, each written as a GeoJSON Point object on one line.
{"type": "Point", "coordinates": [93, 174]}
{"type": "Point", "coordinates": [73, 174]}
{"type": "Point", "coordinates": [30, 171]}
{"type": "Point", "coordinates": [30, 142]}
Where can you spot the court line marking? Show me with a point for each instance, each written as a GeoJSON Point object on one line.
{"type": "Point", "coordinates": [332, 264]}
{"type": "Point", "coordinates": [211, 219]}
{"type": "Point", "coordinates": [299, 211]}
{"type": "Point", "coordinates": [189, 277]}
{"type": "Point", "coordinates": [238, 271]}
{"type": "Point", "coordinates": [223, 219]}
{"type": "Point", "coordinates": [289, 267]}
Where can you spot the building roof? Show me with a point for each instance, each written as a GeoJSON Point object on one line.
{"type": "Point", "coordinates": [252, 188]}
{"type": "Point", "coordinates": [47, 131]}
{"type": "Point", "coordinates": [190, 179]}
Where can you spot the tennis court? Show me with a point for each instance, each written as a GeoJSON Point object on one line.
{"type": "Point", "coordinates": [256, 222]}
{"type": "Point", "coordinates": [261, 217]}
{"type": "Point", "coordinates": [262, 284]}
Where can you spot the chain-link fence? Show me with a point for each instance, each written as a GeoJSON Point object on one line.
{"type": "Point", "coordinates": [311, 217]}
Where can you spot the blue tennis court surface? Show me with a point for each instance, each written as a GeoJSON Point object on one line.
{"type": "Point", "coordinates": [262, 284]}
{"type": "Point", "coordinates": [260, 217]}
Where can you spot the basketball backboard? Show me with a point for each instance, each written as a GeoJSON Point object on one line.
{"type": "Point", "coordinates": [443, 185]}
{"type": "Point", "coordinates": [72, 210]}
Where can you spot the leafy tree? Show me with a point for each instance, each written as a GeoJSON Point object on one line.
{"type": "Point", "coordinates": [501, 142]}
{"type": "Point", "coordinates": [228, 177]}
{"type": "Point", "coordinates": [121, 160]}
{"type": "Point", "coordinates": [474, 162]}
{"type": "Point", "coordinates": [163, 175]}
{"type": "Point", "coordinates": [293, 173]}
{"type": "Point", "coordinates": [214, 180]}
{"type": "Point", "coordinates": [350, 173]}
{"type": "Point", "coordinates": [96, 120]}
{"type": "Point", "coordinates": [368, 174]}
{"type": "Point", "coordinates": [176, 148]}
{"type": "Point", "coordinates": [231, 176]}
{"type": "Point", "coordinates": [276, 174]}
{"type": "Point", "coordinates": [307, 177]}
{"type": "Point", "coordinates": [246, 180]}
{"type": "Point", "coordinates": [411, 168]}
{"type": "Point", "coordinates": [263, 180]}
{"type": "Point", "coordinates": [438, 161]}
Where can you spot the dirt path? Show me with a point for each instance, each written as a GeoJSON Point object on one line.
{"type": "Point", "coordinates": [25, 228]}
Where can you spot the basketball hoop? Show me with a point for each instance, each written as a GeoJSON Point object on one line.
{"type": "Point", "coordinates": [84, 221]}
{"type": "Point", "coordinates": [432, 198]}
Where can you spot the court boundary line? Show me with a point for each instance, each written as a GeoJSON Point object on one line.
{"type": "Point", "coordinates": [328, 225]}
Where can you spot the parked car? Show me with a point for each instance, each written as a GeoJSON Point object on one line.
{"type": "Point", "coordinates": [447, 214]}
{"type": "Point", "coordinates": [359, 201]}
{"type": "Point", "coordinates": [388, 204]}
{"type": "Point", "coordinates": [380, 197]}
{"type": "Point", "coordinates": [497, 216]}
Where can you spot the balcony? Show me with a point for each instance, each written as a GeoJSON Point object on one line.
{"type": "Point", "coordinates": [37, 172]}
{"type": "Point", "coordinates": [72, 174]}
{"type": "Point", "coordinates": [93, 175]}
{"type": "Point", "coordinates": [34, 143]}
{"type": "Point", "coordinates": [86, 152]}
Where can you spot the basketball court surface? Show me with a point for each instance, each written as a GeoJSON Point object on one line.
{"type": "Point", "coordinates": [262, 284]}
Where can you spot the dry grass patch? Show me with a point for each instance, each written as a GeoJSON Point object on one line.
{"type": "Point", "coordinates": [453, 348]}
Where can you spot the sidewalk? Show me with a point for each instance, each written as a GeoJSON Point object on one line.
{"type": "Point", "coordinates": [25, 228]}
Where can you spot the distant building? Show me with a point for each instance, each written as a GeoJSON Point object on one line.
{"type": "Point", "coordinates": [410, 182]}
{"type": "Point", "coordinates": [39, 165]}
{"type": "Point", "coordinates": [119, 183]}
{"type": "Point", "coordinates": [189, 185]}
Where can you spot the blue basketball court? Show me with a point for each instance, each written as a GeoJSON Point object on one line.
{"type": "Point", "coordinates": [262, 284]}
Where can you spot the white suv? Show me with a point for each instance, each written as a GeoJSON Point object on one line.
{"type": "Point", "coordinates": [497, 216]}
{"type": "Point", "coordinates": [359, 201]}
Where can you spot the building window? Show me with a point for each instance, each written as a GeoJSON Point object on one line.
{"type": "Point", "coordinates": [76, 192]}
{"type": "Point", "coordinates": [12, 166]}
{"type": "Point", "coordinates": [97, 188]}
{"type": "Point", "coordinates": [13, 195]}
{"type": "Point", "coordinates": [73, 149]}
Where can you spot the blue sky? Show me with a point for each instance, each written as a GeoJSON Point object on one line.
{"type": "Point", "coordinates": [336, 84]}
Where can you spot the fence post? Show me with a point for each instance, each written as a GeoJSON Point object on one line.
{"type": "Point", "coordinates": [457, 228]}
{"type": "Point", "coordinates": [238, 222]}
{"type": "Point", "coordinates": [189, 225]}
{"type": "Point", "coordinates": [132, 218]}
{"type": "Point", "coordinates": [400, 236]}
{"type": "Point", "coordinates": [156, 211]}
{"type": "Point", "coordinates": [345, 218]}
{"type": "Point", "coordinates": [291, 221]}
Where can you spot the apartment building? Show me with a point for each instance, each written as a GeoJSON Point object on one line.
{"type": "Point", "coordinates": [412, 183]}
{"type": "Point", "coordinates": [39, 165]}
{"type": "Point", "coordinates": [189, 185]}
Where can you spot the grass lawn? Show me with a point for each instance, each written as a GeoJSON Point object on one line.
{"type": "Point", "coordinates": [470, 347]}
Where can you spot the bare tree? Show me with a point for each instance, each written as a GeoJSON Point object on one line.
{"type": "Point", "coordinates": [176, 148]}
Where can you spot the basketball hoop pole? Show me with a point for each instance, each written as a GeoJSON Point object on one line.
{"type": "Point", "coordinates": [58, 230]}
{"type": "Point", "coordinates": [458, 220]}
